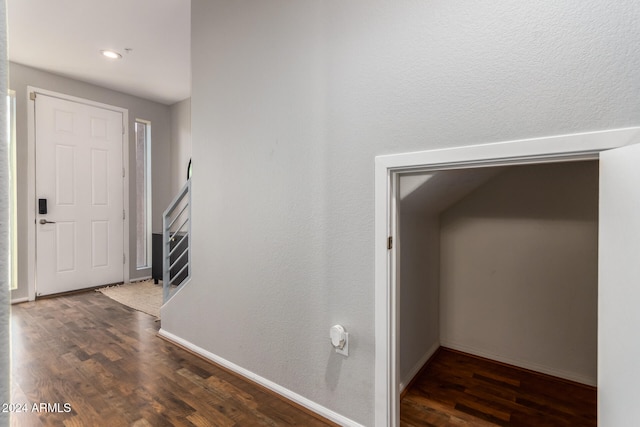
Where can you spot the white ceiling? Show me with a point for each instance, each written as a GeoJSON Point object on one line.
{"type": "Point", "coordinates": [65, 37]}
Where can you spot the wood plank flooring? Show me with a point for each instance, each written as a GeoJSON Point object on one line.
{"type": "Point", "coordinates": [455, 389]}
{"type": "Point", "coordinates": [106, 361]}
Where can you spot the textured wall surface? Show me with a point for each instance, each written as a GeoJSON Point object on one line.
{"type": "Point", "coordinates": [291, 103]}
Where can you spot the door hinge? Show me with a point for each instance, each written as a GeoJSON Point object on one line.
{"type": "Point", "coordinates": [124, 259]}
{"type": "Point", "coordinates": [389, 242]}
{"type": "Point", "coordinates": [123, 214]}
{"type": "Point", "coordinates": [32, 96]}
{"type": "Point", "coordinates": [123, 172]}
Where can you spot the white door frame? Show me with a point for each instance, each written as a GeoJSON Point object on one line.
{"type": "Point", "coordinates": [31, 180]}
{"type": "Point", "coordinates": [387, 171]}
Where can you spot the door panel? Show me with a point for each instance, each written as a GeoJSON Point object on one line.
{"type": "Point", "coordinates": [619, 288]}
{"type": "Point", "coordinates": [65, 246]}
{"type": "Point", "coordinates": [79, 172]}
{"type": "Point", "coordinates": [64, 176]}
{"type": "Point", "coordinates": [99, 244]}
{"type": "Point", "coordinates": [99, 177]}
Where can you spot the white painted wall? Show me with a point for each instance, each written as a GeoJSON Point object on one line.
{"type": "Point", "coordinates": [619, 295]}
{"type": "Point", "coordinates": [519, 270]}
{"type": "Point", "coordinates": [158, 114]}
{"type": "Point", "coordinates": [291, 103]}
{"type": "Point", "coordinates": [180, 143]}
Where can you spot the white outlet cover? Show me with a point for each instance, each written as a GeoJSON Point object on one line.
{"type": "Point", "coordinates": [337, 336]}
{"type": "Point", "coordinates": [339, 339]}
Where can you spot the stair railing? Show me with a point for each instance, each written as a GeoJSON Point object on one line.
{"type": "Point", "coordinates": [176, 242]}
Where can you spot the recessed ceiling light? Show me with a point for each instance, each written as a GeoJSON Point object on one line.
{"type": "Point", "coordinates": [111, 54]}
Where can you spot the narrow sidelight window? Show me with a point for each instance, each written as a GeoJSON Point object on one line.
{"type": "Point", "coordinates": [13, 201]}
{"type": "Point", "coordinates": [143, 193]}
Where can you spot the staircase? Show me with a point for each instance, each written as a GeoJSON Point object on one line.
{"type": "Point", "coordinates": [176, 242]}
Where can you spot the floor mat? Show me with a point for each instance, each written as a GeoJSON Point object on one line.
{"type": "Point", "coordinates": [143, 296]}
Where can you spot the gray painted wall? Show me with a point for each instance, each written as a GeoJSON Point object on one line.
{"type": "Point", "coordinates": [5, 356]}
{"type": "Point", "coordinates": [180, 143]}
{"type": "Point", "coordinates": [291, 103]}
{"type": "Point", "coordinates": [419, 286]}
{"type": "Point", "coordinates": [519, 270]}
{"type": "Point", "coordinates": [160, 116]}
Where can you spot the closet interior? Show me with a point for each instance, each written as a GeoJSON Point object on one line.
{"type": "Point", "coordinates": [501, 263]}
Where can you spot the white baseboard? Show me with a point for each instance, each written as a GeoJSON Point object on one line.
{"type": "Point", "coordinates": [19, 300]}
{"type": "Point", "coordinates": [276, 388]}
{"type": "Point", "coordinates": [571, 376]}
{"type": "Point", "coordinates": [404, 382]}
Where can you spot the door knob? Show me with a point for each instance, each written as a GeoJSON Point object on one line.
{"type": "Point", "coordinates": [44, 221]}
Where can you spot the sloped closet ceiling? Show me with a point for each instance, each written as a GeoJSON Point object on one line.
{"type": "Point", "coordinates": [434, 192]}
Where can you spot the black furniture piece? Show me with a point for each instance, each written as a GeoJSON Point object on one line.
{"type": "Point", "coordinates": [181, 242]}
{"type": "Point", "coordinates": [156, 262]}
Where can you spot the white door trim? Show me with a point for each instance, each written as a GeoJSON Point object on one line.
{"type": "Point", "coordinates": [387, 169]}
{"type": "Point", "coordinates": [31, 180]}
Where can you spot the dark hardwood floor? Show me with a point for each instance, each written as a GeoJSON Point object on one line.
{"type": "Point", "coordinates": [455, 389]}
{"type": "Point", "coordinates": [106, 361]}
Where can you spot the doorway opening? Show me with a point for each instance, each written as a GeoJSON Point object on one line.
{"type": "Point", "coordinates": [388, 240]}
{"type": "Point", "coordinates": [499, 263]}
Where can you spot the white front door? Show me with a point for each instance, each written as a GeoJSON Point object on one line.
{"type": "Point", "coordinates": [619, 288]}
{"type": "Point", "coordinates": [79, 240]}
